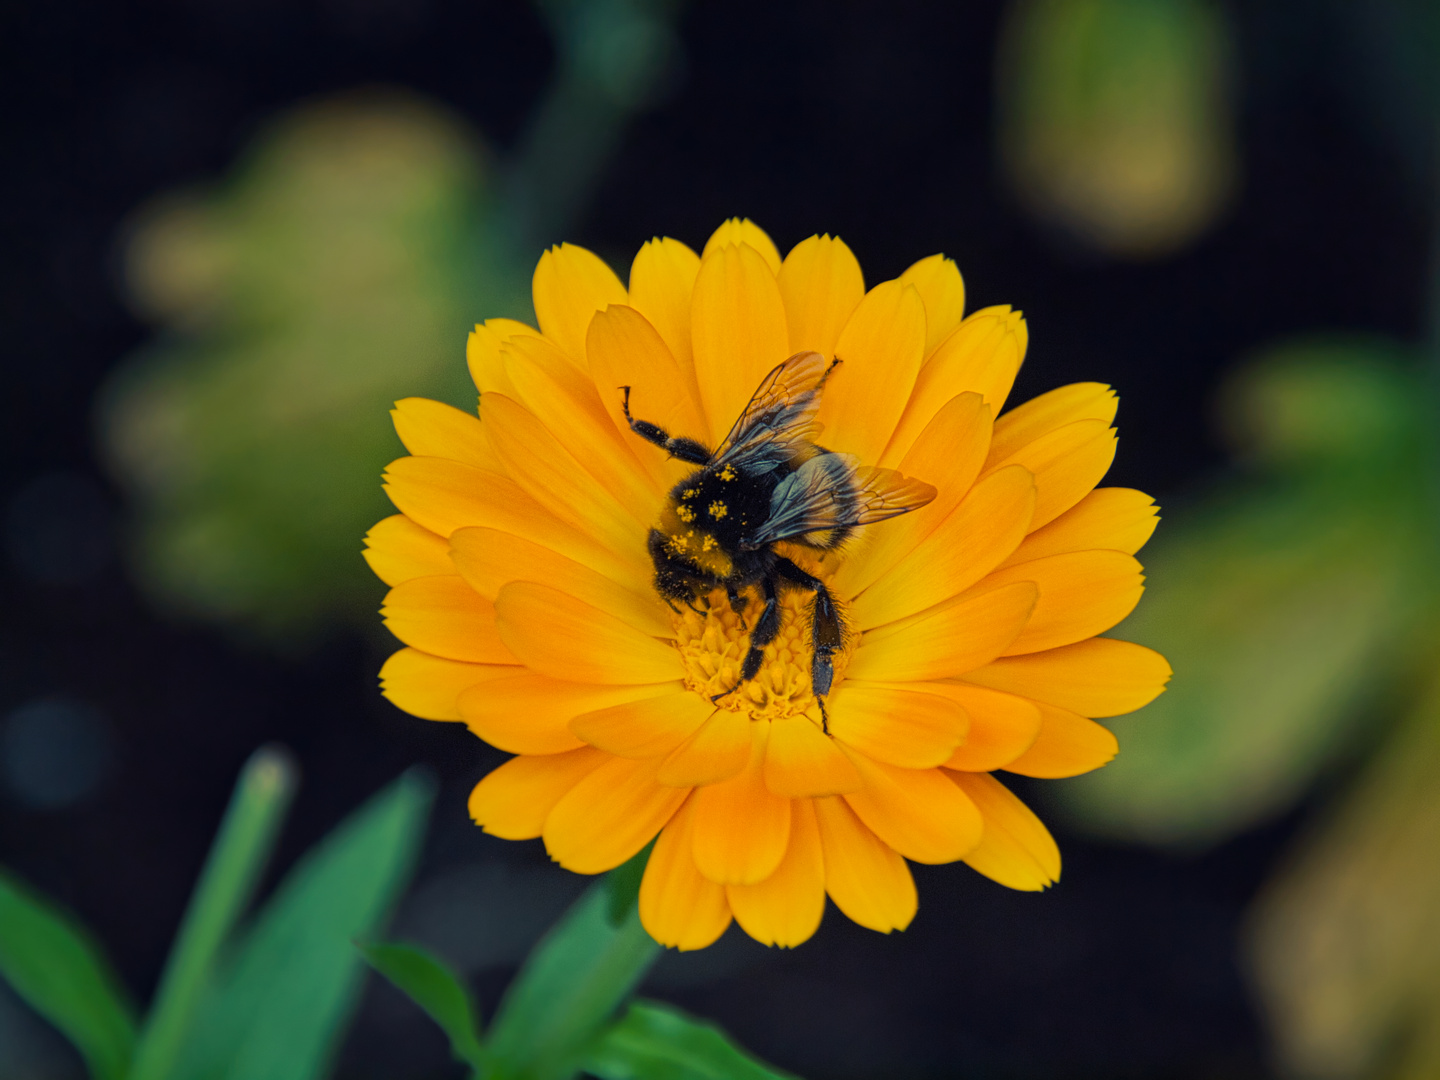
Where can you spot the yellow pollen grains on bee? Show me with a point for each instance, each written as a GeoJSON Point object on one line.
{"type": "Point", "coordinates": [718, 509]}
{"type": "Point", "coordinates": [727, 473]}
{"type": "Point", "coordinates": [685, 514]}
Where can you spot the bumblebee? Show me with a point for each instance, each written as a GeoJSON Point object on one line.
{"type": "Point", "coordinates": [769, 482]}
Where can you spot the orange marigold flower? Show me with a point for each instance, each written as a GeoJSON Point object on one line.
{"type": "Point", "coordinates": [525, 594]}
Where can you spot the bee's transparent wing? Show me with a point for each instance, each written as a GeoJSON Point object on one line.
{"type": "Point", "coordinates": [832, 492]}
{"type": "Point", "coordinates": [779, 422]}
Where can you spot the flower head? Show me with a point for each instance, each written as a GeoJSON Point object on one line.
{"type": "Point", "coordinates": [527, 586]}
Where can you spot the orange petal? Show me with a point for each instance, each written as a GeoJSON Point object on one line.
{"type": "Point", "coordinates": [1116, 519]}
{"type": "Point", "coordinates": [680, 907]}
{"type": "Point", "coordinates": [513, 801]}
{"type": "Point", "coordinates": [880, 350]}
{"type": "Point", "coordinates": [609, 816]}
{"type": "Point", "coordinates": [918, 812]}
{"type": "Point", "coordinates": [651, 726]}
{"type": "Point", "coordinates": [625, 350]}
{"type": "Point", "coordinates": [445, 617]}
{"type": "Point", "coordinates": [538, 462]}
{"type": "Point", "coordinates": [959, 635]}
{"type": "Point", "coordinates": [434, 429]}
{"type": "Point", "coordinates": [560, 636]}
{"type": "Point", "coordinates": [786, 907]}
{"type": "Point", "coordinates": [745, 231]}
{"type": "Point", "coordinates": [1067, 462]}
{"type": "Point", "coordinates": [429, 686]}
{"type": "Point", "coordinates": [569, 286]}
{"type": "Point", "coordinates": [801, 760]}
{"type": "Point", "coordinates": [444, 495]}
{"type": "Point", "coordinates": [821, 284]}
{"type": "Point", "coordinates": [981, 356]}
{"type": "Point", "coordinates": [891, 723]}
{"type": "Point", "coordinates": [867, 879]}
{"type": "Point", "coordinates": [1016, 850]}
{"type": "Point", "coordinates": [489, 559]}
{"type": "Point", "coordinates": [397, 550]}
{"type": "Point", "coordinates": [1002, 726]}
{"type": "Point", "coordinates": [565, 403]}
{"type": "Point", "coordinates": [719, 749]}
{"type": "Point", "coordinates": [976, 537]}
{"type": "Point", "coordinates": [1099, 677]}
{"type": "Point", "coordinates": [482, 354]}
{"type": "Point", "coordinates": [1081, 594]}
{"type": "Point", "coordinates": [948, 455]}
{"type": "Point", "coordinates": [737, 322]}
{"type": "Point", "coordinates": [741, 829]}
{"type": "Point", "coordinates": [530, 714]}
{"type": "Point", "coordinates": [938, 281]}
{"type": "Point", "coordinates": [1067, 745]}
{"type": "Point", "coordinates": [662, 280]}
{"type": "Point", "coordinates": [1049, 412]}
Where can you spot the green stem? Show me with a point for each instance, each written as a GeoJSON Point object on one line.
{"type": "Point", "coordinates": [611, 58]}
{"type": "Point", "coordinates": [232, 870]}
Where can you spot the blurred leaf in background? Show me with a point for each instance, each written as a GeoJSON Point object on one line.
{"type": "Point", "coordinates": [1115, 119]}
{"type": "Point", "coordinates": [1289, 596]}
{"type": "Point", "coordinates": [1345, 941]}
{"type": "Point", "coordinates": [333, 272]}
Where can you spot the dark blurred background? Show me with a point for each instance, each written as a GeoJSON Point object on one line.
{"type": "Point", "coordinates": [147, 144]}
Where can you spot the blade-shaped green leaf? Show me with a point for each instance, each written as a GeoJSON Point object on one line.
{"type": "Point", "coordinates": [659, 1042]}
{"type": "Point", "coordinates": [431, 984]}
{"type": "Point", "coordinates": [54, 965]}
{"type": "Point", "coordinates": [237, 859]}
{"type": "Point", "coordinates": [570, 986]}
{"type": "Point", "coordinates": [296, 976]}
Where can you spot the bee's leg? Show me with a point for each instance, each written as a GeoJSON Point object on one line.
{"type": "Point", "coordinates": [676, 446]}
{"type": "Point", "coordinates": [826, 634]}
{"type": "Point", "coordinates": [766, 627]}
{"type": "Point", "coordinates": [737, 603]}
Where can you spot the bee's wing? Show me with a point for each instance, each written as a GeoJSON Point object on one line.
{"type": "Point", "coordinates": [779, 420]}
{"type": "Point", "coordinates": [831, 492]}
{"type": "Point", "coordinates": [885, 493]}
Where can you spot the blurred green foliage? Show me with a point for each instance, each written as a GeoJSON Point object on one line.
{"type": "Point", "coordinates": [270, 1000]}
{"type": "Point", "coordinates": [337, 269]}
{"type": "Point", "coordinates": [334, 272]}
{"type": "Point", "coordinates": [559, 1017]}
{"type": "Point", "coordinates": [1289, 598]}
{"type": "Point", "coordinates": [1115, 119]}
{"type": "Point", "coordinates": [1345, 943]}
{"type": "Point", "coordinates": [53, 963]}
{"type": "Point", "coordinates": [273, 999]}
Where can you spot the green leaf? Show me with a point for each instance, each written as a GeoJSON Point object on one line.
{"type": "Point", "coordinates": [570, 987]}
{"type": "Point", "coordinates": [655, 1041]}
{"type": "Point", "coordinates": [1344, 941]}
{"type": "Point", "coordinates": [623, 885]}
{"type": "Point", "coordinates": [295, 979]}
{"type": "Point", "coordinates": [435, 988]}
{"type": "Point", "coordinates": [237, 858]}
{"type": "Point", "coordinates": [54, 965]}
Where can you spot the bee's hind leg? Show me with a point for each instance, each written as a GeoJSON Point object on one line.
{"type": "Point", "coordinates": [826, 634]}
{"type": "Point", "coordinates": [737, 603]}
{"type": "Point", "coordinates": [766, 627]}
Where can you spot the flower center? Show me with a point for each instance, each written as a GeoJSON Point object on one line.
{"type": "Point", "coordinates": [713, 644]}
